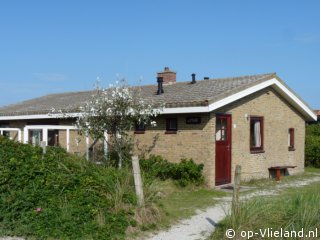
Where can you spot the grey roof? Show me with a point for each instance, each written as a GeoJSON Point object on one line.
{"type": "Point", "coordinates": [180, 94]}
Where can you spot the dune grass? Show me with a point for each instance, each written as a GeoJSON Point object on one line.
{"type": "Point", "coordinates": [294, 209]}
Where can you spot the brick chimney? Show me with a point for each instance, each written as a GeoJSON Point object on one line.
{"type": "Point", "coordinates": [168, 76]}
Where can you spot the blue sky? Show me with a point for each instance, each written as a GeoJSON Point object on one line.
{"type": "Point", "coordinates": [58, 46]}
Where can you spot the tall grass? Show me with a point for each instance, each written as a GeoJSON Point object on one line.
{"type": "Point", "coordinates": [293, 210]}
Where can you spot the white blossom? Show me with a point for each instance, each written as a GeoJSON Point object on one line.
{"type": "Point", "coordinates": [116, 110]}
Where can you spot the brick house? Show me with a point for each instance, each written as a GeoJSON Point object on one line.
{"type": "Point", "coordinates": [256, 121]}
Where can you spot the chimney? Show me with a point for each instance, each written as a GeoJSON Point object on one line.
{"type": "Point", "coordinates": [169, 76]}
{"type": "Point", "coordinates": [193, 78]}
{"type": "Point", "coordinates": [160, 87]}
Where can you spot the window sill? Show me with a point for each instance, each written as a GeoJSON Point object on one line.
{"type": "Point", "coordinates": [255, 151]}
{"type": "Point", "coordinates": [170, 132]}
{"type": "Point", "coordinates": [139, 132]}
{"type": "Point", "coordinates": [291, 149]}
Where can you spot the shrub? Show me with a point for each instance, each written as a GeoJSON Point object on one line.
{"type": "Point", "coordinates": [312, 147]}
{"type": "Point", "coordinates": [184, 172]}
{"type": "Point", "coordinates": [61, 196]}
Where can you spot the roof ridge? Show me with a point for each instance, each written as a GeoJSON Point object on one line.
{"type": "Point", "coordinates": [211, 79]}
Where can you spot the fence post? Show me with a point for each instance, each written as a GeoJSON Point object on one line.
{"type": "Point", "coordinates": [137, 180]}
{"type": "Point", "coordinates": [236, 191]}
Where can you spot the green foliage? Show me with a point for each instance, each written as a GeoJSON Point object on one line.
{"type": "Point", "coordinates": [312, 148]}
{"type": "Point", "coordinates": [184, 172]}
{"type": "Point", "coordinates": [61, 196]}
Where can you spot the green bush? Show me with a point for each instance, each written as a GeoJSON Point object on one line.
{"type": "Point", "coordinates": [184, 172]}
{"type": "Point", "coordinates": [312, 147]}
{"type": "Point", "coordinates": [61, 196]}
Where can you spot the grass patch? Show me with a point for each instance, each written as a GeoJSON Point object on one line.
{"type": "Point", "coordinates": [312, 170]}
{"type": "Point", "coordinates": [292, 210]}
{"type": "Point", "coordinates": [175, 202]}
{"type": "Point", "coordinates": [184, 203]}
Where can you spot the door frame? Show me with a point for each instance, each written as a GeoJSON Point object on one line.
{"type": "Point", "coordinates": [229, 137]}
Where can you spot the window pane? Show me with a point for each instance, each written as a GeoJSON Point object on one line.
{"type": "Point", "coordinates": [173, 124]}
{"type": "Point", "coordinates": [291, 138]}
{"type": "Point", "coordinates": [221, 130]}
{"type": "Point", "coordinates": [140, 127]}
{"type": "Point", "coordinates": [256, 133]}
{"type": "Point", "coordinates": [5, 133]}
{"type": "Point", "coordinates": [35, 137]}
{"type": "Point", "coordinates": [53, 137]}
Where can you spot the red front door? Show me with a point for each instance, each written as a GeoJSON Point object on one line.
{"type": "Point", "coordinates": [223, 149]}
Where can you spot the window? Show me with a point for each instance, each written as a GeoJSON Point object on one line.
{"type": "Point", "coordinates": [53, 137]}
{"type": "Point", "coordinates": [256, 134]}
{"type": "Point", "coordinates": [140, 128]}
{"type": "Point", "coordinates": [171, 125]}
{"type": "Point", "coordinates": [221, 129]}
{"type": "Point", "coordinates": [35, 137]}
{"type": "Point", "coordinates": [193, 120]}
{"type": "Point", "coordinates": [5, 133]}
{"type": "Point", "coordinates": [291, 139]}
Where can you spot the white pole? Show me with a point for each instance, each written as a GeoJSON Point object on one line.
{"type": "Point", "coordinates": [19, 135]}
{"type": "Point", "coordinates": [68, 140]}
{"type": "Point", "coordinates": [25, 135]}
{"type": "Point", "coordinates": [45, 135]}
{"type": "Point", "coordinates": [87, 146]}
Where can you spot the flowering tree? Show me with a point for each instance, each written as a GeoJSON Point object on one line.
{"type": "Point", "coordinates": [115, 111]}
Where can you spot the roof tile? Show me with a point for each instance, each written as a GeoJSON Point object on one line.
{"type": "Point", "coordinates": [180, 94]}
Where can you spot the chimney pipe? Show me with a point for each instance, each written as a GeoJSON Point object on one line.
{"type": "Point", "coordinates": [160, 86]}
{"type": "Point", "coordinates": [193, 78]}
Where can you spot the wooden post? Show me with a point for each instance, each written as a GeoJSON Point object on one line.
{"type": "Point", "coordinates": [278, 174]}
{"type": "Point", "coordinates": [137, 180]}
{"type": "Point", "coordinates": [87, 146]}
{"type": "Point", "coordinates": [236, 190]}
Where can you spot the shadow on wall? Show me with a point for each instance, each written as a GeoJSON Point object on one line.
{"type": "Point", "coordinates": [144, 150]}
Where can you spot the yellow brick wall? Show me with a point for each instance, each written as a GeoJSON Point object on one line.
{"type": "Point", "coordinates": [194, 141]}
{"type": "Point", "coordinates": [198, 141]}
{"type": "Point", "coordinates": [278, 118]}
